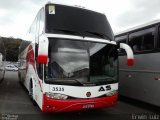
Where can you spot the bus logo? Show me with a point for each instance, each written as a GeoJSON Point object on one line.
{"type": "Point", "coordinates": [106, 88]}
{"type": "Point", "coordinates": [88, 94]}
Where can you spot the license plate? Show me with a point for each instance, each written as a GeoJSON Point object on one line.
{"type": "Point", "coordinates": [88, 106]}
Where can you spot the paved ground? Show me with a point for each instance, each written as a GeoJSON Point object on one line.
{"type": "Point", "coordinates": [15, 103]}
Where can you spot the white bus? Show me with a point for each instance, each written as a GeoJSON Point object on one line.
{"type": "Point", "coordinates": [71, 62]}
{"type": "Point", "coordinates": [142, 81]}
{"type": "Point", "coordinates": [2, 60]}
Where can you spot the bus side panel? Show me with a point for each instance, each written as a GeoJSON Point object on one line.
{"type": "Point", "coordinates": [37, 84]}
{"type": "Point", "coordinates": [26, 58]}
{"type": "Point", "coordinates": [22, 67]}
{"type": "Point", "coordinates": [32, 76]}
{"type": "Point", "coordinates": [140, 81]}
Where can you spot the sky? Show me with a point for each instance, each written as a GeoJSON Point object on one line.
{"type": "Point", "coordinates": [16, 16]}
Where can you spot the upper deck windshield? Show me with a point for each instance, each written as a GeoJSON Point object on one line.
{"type": "Point", "coordinates": [81, 63]}
{"type": "Point", "coordinates": [62, 19]}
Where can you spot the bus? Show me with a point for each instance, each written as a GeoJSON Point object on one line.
{"type": "Point", "coordinates": [2, 60]}
{"type": "Point", "coordinates": [70, 61]}
{"type": "Point", "coordinates": [141, 82]}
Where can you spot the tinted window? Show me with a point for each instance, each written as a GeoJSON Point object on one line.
{"type": "Point", "coordinates": [142, 40]}
{"type": "Point", "coordinates": [77, 21]}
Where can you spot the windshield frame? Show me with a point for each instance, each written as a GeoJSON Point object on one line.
{"type": "Point", "coordinates": [73, 81]}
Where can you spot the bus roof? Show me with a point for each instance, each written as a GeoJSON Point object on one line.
{"type": "Point", "coordinates": [72, 5]}
{"type": "Point", "coordinates": [138, 27]}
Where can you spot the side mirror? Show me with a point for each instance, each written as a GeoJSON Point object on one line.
{"type": "Point", "coordinates": [42, 57]}
{"type": "Point", "coordinates": [129, 52]}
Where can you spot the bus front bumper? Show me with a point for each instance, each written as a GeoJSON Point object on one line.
{"type": "Point", "coordinates": [53, 105]}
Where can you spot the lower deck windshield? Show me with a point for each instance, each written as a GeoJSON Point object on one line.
{"type": "Point", "coordinates": [81, 63]}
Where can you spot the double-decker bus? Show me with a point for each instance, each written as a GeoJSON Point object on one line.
{"type": "Point", "coordinates": [2, 60]}
{"type": "Point", "coordinates": [142, 81]}
{"type": "Point", "coordinates": [71, 60]}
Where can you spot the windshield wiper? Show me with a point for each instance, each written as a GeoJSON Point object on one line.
{"type": "Point", "coordinates": [65, 81]}
{"type": "Point", "coordinates": [105, 81]}
{"type": "Point", "coordinates": [83, 33]}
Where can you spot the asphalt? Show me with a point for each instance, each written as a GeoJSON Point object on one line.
{"type": "Point", "coordinates": [15, 104]}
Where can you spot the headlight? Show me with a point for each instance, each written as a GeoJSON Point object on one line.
{"type": "Point", "coordinates": [56, 95]}
{"type": "Point", "coordinates": [114, 92]}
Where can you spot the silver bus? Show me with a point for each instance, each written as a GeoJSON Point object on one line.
{"type": "Point", "coordinates": [142, 81]}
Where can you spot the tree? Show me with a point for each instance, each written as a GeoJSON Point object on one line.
{"type": "Point", "coordinates": [11, 47]}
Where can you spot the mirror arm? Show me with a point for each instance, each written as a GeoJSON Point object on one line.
{"type": "Point", "coordinates": [129, 52]}
{"type": "Point", "coordinates": [43, 51]}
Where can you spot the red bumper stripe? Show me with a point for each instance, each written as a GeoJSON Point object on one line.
{"type": "Point", "coordinates": [52, 105]}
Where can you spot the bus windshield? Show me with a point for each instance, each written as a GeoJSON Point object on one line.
{"type": "Point", "coordinates": [83, 22]}
{"type": "Point", "coordinates": [80, 63]}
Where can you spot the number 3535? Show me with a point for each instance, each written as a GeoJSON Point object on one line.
{"type": "Point", "coordinates": [57, 89]}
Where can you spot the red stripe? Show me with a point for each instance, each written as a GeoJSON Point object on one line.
{"type": "Point", "coordinates": [130, 62]}
{"type": "Point", "coordinates": [42, 59]}
{"type": "Point", "coordinates": [53, 105]}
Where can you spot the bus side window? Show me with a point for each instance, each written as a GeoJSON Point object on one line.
{"type": "Point", "coordinates": [142, 40]}
{"type": "Point", "coordinates": [148, 42]}
{"type": "Point", "coordinates": [136, 42]}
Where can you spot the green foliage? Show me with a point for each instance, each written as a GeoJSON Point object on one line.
{"type": "Point", "coordinates": [12, 48]}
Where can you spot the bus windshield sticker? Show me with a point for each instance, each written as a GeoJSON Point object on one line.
{"type": "Point", "coordinates": [51, 9]}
